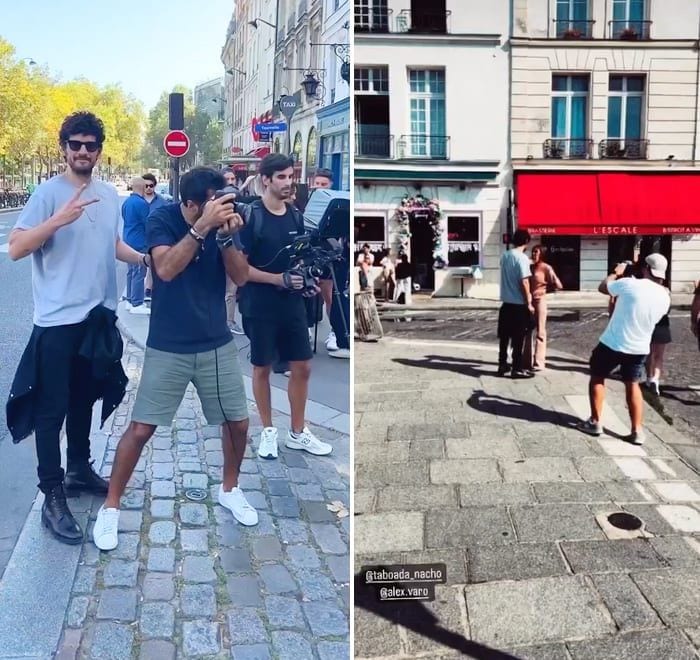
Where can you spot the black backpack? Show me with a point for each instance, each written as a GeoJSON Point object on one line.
{"type": "Point", "coordinates": [256, 218]}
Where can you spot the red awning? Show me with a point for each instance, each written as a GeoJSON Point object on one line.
{"type": "Point", "coordinates": [608, 203]}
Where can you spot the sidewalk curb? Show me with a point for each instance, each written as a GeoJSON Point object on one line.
{"type": "Point", "coordinates": [317, 413]}
{"type": "Point", "coordinates": [480, 304]}
{"type": "Point", "coordinates": [13, 209]}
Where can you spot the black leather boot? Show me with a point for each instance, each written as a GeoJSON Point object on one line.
{"type": "Point", "coordinates": [82, 478]}
{"type": "Point", "coordinates": [57, 518]}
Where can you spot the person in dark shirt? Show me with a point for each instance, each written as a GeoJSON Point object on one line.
{"type": "Point", "coordinates": [194, 245]}
{"type": "Point", "coordinates": [272, 306]}
{"type": "Point", "coordinates": [135, 212]}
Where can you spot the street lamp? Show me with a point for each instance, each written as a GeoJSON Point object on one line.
{"type": "Point", "coordinates": [30, 61]}
{"type": "Point", "coordinates": [310, 85]}
{"type": "Point", "coordinates": [255, 21]}
{"type": "Point", "coordinates": [234, 69]}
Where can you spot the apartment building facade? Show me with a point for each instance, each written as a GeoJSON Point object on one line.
{"type": "Point", "coordinates": [431, 138]}
{"type": "Point", "coordinates": [604, 133]}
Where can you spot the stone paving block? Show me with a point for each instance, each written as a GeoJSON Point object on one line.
{"type": "Point", "coordinates": [291, 646]}
{"type": "Point", "coordinates": [157, 620]}
{"type": "Point", "coordinates": [111, 641]}
{"type": "Point", "coordinates": [161, 560]}
{"type": "Point", "coordinates": [250, 652]}
{"type": "Point", "coordinates": [250, 482]}
{"type": "Point", "coordinates": [476, 447]}
{"type": "Point", "coordinates": [423, 449]}
{"type": "Point", "coordinates": [554, 522]}
{"type": "Point", "coordinates": [198, 569]}
{"type": "Point", "coordinates": [494, 493]}
{"type": "Point", "coordinates": [545, 469]}
{"type": "Point", "coordinates": [162, 470]}
{"type": "Point", "coordinates": [329, 539]}
{"type": "Point", "coordinates": [274, 469]}
{"type": "Point", "coordinates": [279, 487]}
{"type": "Point", "coordinates": [418, 498]}
{"type": "Point", "coordinates": [162, 532]}
{"type": "Point", "coordinates": [654, 522]}
{"type": "Point", "coordinates": [326, 619]}
{"type": "Point", "coordinates": [117, 604]}
{"type": "Point", "coordinates": [571, 447]}
{"type": "Point", "coordinates": [200, 638]}
{"type": "Point", "coordinates": [84, 580]}
{"type": "Point", "coordinates": [674, 594]}
{"type": "Point", "coordinates": [676, 491]}
{"type": "Point", "coordinates": [541, 652]}
{"type": "Point", "coordinates": [464, 471]}
{"type": "Point", "coordinates": [294, 531]}
{"type": "Point", "coordinates": [333, 651]}
{"type": "Point", "coordinates": [454, 559]}
{"type": "Point", "coordinates": [90, 555]}
{"type": "Point", "coordinates": [276, 579]}
{"type": "Point", "coordinates": [678, 551]}
{"type": "Point", "coordinates": [195, 480]}
{"type": "Point", "coordinates": [625, 602]}
{"type": "Point", "coordinates": [244, 591]}
{"type": "Point", "coordinates": [455, 529]}
{"type": "Point", "coordinates": [266, 525]}
{"type": "Point", "coordinates": [577, 492]}
{"type": "Point", "coordinates": [157, 649]}
{"type": "Point", "coordinates": [162, 443]}
{"type": "Point", "coordinates": [194, 514]}
{"type": "Point", "coordinates": [339, 568]}
{"type": "Point", "coordinates": [120, 573]}
{"type": "Point", "coordinates": [599, 469]}
{"type": "Point", "coordinates": [610, 556]}
{"type": "Point", "coordinates": [284, 612]}
{"type": "Point", "coordinates": [376, 636]}
{"type": "Point", "coordinates": [230, 534]}
{"type": "Point", "coordinates": [308, 492]}
{"type": "Point", "coordinates": [158, 586]}
{"type": "Point", "coordinates": [378, 533]}
{"type": "Point", "coordinates": [285, 506]}
{"type": "Point", "coordinates": [267, 548]}
{"type": "Point", "coordinates": [163, 509]}
{"type": "Point", "coordinates": [627, 491]}
{"type": "Point", "coordinates": [215, 458]}
{"type": "Point", "coordinates": [198, 600]}
{"type": "Point", "coordinates": [194, 540]}
{"type": "Point", "coordinates": [77, 611]}
{"type": "Point", "coordinates": [235, 560]}
{"type": "Point", "coordinates": [130, 521]}
{"type": "Point", "coordinates": [317, 512]}
{"type": "Point", "coordinates": [694, 635]}
{"type": "Point", "coordinates": [246, 627]}
{"type": "Point", "coordinates": [681, 517]}
{"type": "Point", "coordinates": [162, 489]}
{"type": "Point", "coordinates": [374, 475]}
{"type": "Point", "coordinates": [363, 501]}
{"type": "Point", "coordinates": [314, 585]}
{"type": "Point", "coordinates": [535, 611]}
{"type": "Point", "coordinates": [133, 499]}
{"type": "Point", "coordinates": [162, 456]}
{"type": "Point", "coordinates": [519, 561]}
{"type": "Point", "coordinates": [634, 646]}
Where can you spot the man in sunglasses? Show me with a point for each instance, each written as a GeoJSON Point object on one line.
{"type": "Point", "coordinates": [70, 227]}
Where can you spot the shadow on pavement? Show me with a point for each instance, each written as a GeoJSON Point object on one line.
{"type": "Point", "coordinates": [415, 616]}
{"type": "Point", "coordinates": [669, 392]}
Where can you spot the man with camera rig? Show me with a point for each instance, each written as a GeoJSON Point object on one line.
{"type": "Point", "coordinates": [194, 245]}
{"type": "Point", "coordinates": [272, 305]}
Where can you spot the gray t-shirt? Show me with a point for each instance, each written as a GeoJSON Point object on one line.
{"type": "Point", "coordinates": [75, 270]}
{"type": "Point", "coordinates": [515, 267]}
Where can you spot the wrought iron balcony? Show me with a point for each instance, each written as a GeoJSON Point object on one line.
{"type": "Point", "coordinates": [423, 21]}
{"type": "Point", "coordinates": [567, 148]}
{"type": "Point", "coordinates": [623, 149]}
{"type": "Point", "coordinates": [574, 29]}
{"type": "Point", "coordinates": [372, 20]}
{"type": "Point", "coordinates": [429, 147]}
{"type": "Point", "coordinates": [374, 146]}
{"type": "Point", "coordinates": [630, 30]}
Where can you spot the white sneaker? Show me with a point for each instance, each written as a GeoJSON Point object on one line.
{"type": "Point", "coordinates": [268, 443]}
{"type": "Point", "coordinates": [127, 306]}
{"type": "Point", "coordinates": [104, 533]}
{"type": "Point", "coordinates": [342, 353]}
{"type": "Point", "coordinates": [238, 505]}
{"type": "Point", "coordinates": [141, 310]}
{"type": "Point", "coordinates": [308, 442]}
{"type": "Point", "coordinates": [331, 342]}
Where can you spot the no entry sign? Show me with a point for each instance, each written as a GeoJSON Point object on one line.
{"type": "Point", "coordinates": [176, 144]}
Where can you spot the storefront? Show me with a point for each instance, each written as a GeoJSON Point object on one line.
{"type": "Point", "coordinates": [589, 221]}
{"type": "Point", "coordinates": [334, 142]}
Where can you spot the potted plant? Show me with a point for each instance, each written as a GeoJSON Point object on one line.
{"type": "Point", "coordinates": [572, 33]}
{"type": "Point", "coordinates": [629, 33]}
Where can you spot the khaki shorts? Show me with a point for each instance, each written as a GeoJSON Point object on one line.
{"type": "Point", "coordinates": [165, 378]}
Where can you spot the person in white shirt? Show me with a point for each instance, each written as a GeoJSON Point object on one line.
{"type": "Point", "coordinates": [640, 305]}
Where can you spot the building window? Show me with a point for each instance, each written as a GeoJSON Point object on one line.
{"type": "Point", "coordinates": [372, 135]}
{"type": "Point", "coordinates": [572, 19]}
{"type": "Point", "coordinates": [570, 116]}
{"type": "Point", "coordinates": [427, 105]}
{"type": "Point", "coordinates": [463, 241]}
{"type": "Point", "coordinates": [374, 80]}
{"type": "Point", "coordinates": [625, 104]}
{"type": "Point", "coordinates": [371, 230]}
{"type": "Point", "coordinates": [628, 20]}
{"type": "Point", "coordinates": [371, 16]}
{"type": "Point", "coordinates": [311, 154]}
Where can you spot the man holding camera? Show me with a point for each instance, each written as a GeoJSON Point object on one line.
{"type": "Point", "coordinates": [272, 306]}
{"type": "Point", "coordinates": [640, 304]}
{"type": "Point", "coordinates": [194, 246]}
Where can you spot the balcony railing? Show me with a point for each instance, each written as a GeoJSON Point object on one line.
{"type": "Point", "coordinates": [372, 20]}
{"type": "Point", "coordinates": [291, 22]}
{"type": "Point", "coordinates": [567, 148]}
{"type": "Point", "coordinates": [303, 7]}
{"type": "Point", "coordinates": [630, 30]}
{"type": "Point", "coordinates": [430, 147]}
{"type": "Point", "coordinates": [428, 21]}
{"type": "Point", "coordinates": [374, 146]}
{"type": "Point", "coordinates": [623, 149]}
{"type": "Point", "coordinates": [574, 29]}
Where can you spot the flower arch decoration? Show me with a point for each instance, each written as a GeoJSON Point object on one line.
{"type": "Point", "coordinates": [429, 208]}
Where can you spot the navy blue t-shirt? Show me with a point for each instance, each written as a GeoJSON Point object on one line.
{"type": "Point", "coordinates": [188, 314]}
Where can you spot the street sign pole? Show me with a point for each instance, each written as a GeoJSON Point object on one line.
{"type": "Point", "coordinates": [288, 106]}
{"type": "Point", "coordinates": [176, 121]}
{"type": "Point", "coordinates": [176, 144]}
{"type": "Point", "coordinates": [175, 169]}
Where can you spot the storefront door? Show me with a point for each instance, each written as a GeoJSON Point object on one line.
{"type": "Point", "coordinates": [563, 253]}
{"type": "Point", "coordinates": [421, 257]}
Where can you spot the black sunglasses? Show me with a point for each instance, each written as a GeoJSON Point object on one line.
{"type": "Point", "coordinates": [150, 185]}
{"type": "Point", "coordinates": [75, 145]}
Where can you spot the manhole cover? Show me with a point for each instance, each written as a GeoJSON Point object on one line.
{"type": "Point", "coordinates": [196, 494]}
{"type": "Point", "coordinates": [625, 521]}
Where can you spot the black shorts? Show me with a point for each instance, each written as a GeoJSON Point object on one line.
{"type": "Point", "coordinates": [661, 335]}
{"type": "Point", "coordinates": [604, 361]}
{"type": "Point", "coordinates": [273, 340]}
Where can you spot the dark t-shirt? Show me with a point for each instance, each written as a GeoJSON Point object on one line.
{"type": "Point", "coordinates": [267, 254]}
{"type": "Point", "coordinates": [188, 314]}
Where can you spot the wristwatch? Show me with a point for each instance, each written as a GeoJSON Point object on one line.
{"type": "Point", "coordinates": [227, 241]}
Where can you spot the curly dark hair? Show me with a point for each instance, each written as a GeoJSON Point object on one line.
{"type": "Point", "coordinates": [82, 122]}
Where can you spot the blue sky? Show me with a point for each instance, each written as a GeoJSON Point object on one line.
{"type": "Point", "coordinates": [147, 46]}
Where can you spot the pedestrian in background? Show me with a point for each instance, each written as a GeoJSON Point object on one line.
{"type": "Point", "coordinates": [155, 201]}
{"type": "Point", "coordinates": [542, 281]}
{"type": "Point", "coordinates": [70, 227]}
{"type": "Point", "coordinates": [135, 213]}
{"type": "Point", "coordinates": [640, 303]}
{"type": "Point", "coordinates": [404, 273]}
{"type": "Point", "coordinates": [517, 310]}
{"type": "Point", "coordinates": [389, 275]}
{"type": "Point", "coordinates": [231, 288]}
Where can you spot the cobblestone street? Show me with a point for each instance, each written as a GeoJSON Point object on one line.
{"type": "Point", "coordinates": [188, 581]}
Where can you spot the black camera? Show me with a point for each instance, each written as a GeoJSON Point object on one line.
{"type": "Point", "coordinates": [310, 257]}
{"type": "Point", "coordinates": [229, 190]}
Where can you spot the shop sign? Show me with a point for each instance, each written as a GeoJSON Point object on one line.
{"type": "Point", "coordinates": [635, 230]}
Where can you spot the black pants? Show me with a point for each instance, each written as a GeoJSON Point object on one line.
{"type": "Point", "coordinates": [340, 309]}
{"type": "Point", "coordinates": [513, 324]}
{"type": "Point", "coordinates": [65, 391]}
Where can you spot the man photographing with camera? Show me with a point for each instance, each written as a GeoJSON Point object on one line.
{"type": "Point", "coordinates": [272, 306]}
